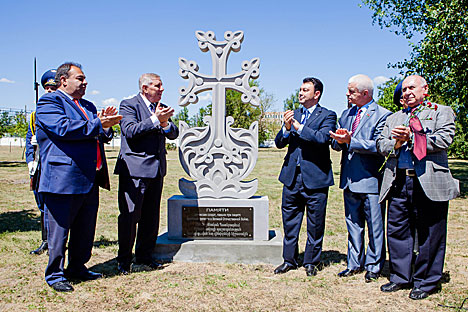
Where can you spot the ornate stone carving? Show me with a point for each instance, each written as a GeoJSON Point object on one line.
{"type": "Point", "coordinates": [217, 156]}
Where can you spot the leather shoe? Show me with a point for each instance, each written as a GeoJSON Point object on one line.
{"type": "Point", "coordinates": [41, 249]}
{"type": "Point", "coordinates": [124, 269]}
{"type": "Point", "coordinates": [418, 294]}
{"type": "Point", "coordinates": [285, 267]}
{"type": "Point", "coordinates": [84, 276]}
{"type": "Point", "coordinates": [62, 286]}
{"type": "Point", "coordinates": [311, 270]}
{"type": "Point", "coordinates": [371, 276]}
{"type": "Point", "coordinates": [391, 287]}
{"type": "Point", "coordinates": [349, 272]}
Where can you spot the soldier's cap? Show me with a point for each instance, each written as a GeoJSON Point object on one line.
{"type": "Point", "coordinates": [48, 79]}
{"type": "Point", "coordinates": [397, 94]}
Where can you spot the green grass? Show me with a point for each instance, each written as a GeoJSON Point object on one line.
{"type": "Point", "coordinates": [207, 286]}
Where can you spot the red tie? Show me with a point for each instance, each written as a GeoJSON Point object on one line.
{"type": "Point", "coordinates": [356, 121]}
{"type": "Point", "coordinates": [99, 158]}
{"type": "Point", "coordinates": [420, 141]}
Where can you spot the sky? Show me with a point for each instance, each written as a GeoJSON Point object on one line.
{"type": "Point", "coordinates": [117, 41]}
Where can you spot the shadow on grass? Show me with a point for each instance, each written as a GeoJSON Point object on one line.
{"type": "Point", "coordinates": [12, 164]}
{"type": "Point", "coordinates": [24, 221]}
{"type": "Point", "coordinates": [459, 171]}
{"type": "Point", "coordinates": [328, 257]}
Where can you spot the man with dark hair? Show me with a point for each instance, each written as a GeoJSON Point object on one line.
{"type": "Point", "coordinates": [306, 175]}
{"type": "Point", "coordinates": [70, 134]}
{"type": "Point", "coordinates": [360, 178]}
{"type": "Point", "coordinates": [32, 158]}
{"type": "Point", "coordinates": [141, 167]}
{"type": "Point", "coordinates": [418, 185]}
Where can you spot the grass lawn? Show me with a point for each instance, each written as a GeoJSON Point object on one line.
{"type": "Point", "coordinates": [207, 286]}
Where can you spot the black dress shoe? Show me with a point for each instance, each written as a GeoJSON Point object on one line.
{"type": "Point", "coordinates": [371, 276]}
{"type": "Point", "coordinates": [124, 269]}
{"type": "Point", "coordinates": [83, 276]}
{"type": "Point", "coordinates": [391, 287]}
{"type": "Point", "coordinates": [349, 272]}
{"type": "Point", "coordinates": [285, 267]}
{"type": "Point", "coordinates": [41, 249]}
{"type": "Point", "coordinates": [311, 270]}
{"type": "Point", "coordinates": [62, 286]}
{"type": "Point", "coordinates": [418, 294]}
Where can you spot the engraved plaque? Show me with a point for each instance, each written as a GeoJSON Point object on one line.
{"type": "Point", "coordinates": [217, 222]}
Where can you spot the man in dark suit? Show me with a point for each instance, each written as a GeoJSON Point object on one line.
{"type": "Point", "coordinates": [360, 177]}
{"type": "Point", "coordinates": [141, 167]}
{"type": "Point", "coordinates": [418, 185]}
{"type": "Point", "coordinates": [70, 134]}
{"type": "Point", "coordinates": [306, 175]}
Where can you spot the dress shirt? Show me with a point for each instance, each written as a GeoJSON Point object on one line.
{"type": "Point", "coordinates": [154, 119]}
{"type": "Point", "coordinates": [311, 110]}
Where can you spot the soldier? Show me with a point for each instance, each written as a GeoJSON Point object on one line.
{"type": "Point", "coordinates": [32, 158]}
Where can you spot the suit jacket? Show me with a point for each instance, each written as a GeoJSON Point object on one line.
{"type": "Point", "coordinates": [68, 145]}
{"type": "Point", "coordinates": [312, 145]}
{"type": "Point", "coordinates": [360, 160]}
{"type": "Point", "coordinates": [432, 171]}
{"type": "Point", "coordinates": [143, 146]}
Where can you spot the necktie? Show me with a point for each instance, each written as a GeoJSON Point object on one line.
{"type": "Point", "coordinates": [356, 121]}
{"type": "Point", "coordinates": [420, 141]}
{"type": "Point", "coordinates": [152, 107]}
{"type": "Point", "coordinates": [99, 158]}
{"type": "Point", "coordinates": [306, 116]}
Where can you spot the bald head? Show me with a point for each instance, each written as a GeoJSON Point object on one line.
{"type": "Point", "coordinates": [414, 90]}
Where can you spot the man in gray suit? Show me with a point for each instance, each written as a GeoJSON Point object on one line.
{"type": "Point", "coordinates": [360, 178]}
{"type": "Point", "coordinates": [418, 184]}
{"type": "Point", "coordinates": [141, 167]}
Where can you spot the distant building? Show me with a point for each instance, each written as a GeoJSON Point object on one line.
{"type": "Point", "coordinates": [273, 117]}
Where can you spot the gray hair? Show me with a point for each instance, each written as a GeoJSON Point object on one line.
{"type": "Point", "coordinates": [146, 79]}
{"type": "Point", "coordinates": [363, 82]}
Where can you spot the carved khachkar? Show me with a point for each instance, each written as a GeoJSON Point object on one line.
{"type": "Point", "coordinates": [217, 156]}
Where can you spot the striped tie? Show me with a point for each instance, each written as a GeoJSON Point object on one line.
{"type": "Point", "coordinates": [356, 121]}
{"type": "Point", "coordinates": [305, 116]}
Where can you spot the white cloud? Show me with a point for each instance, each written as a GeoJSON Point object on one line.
{"type": "Point", "coordinates": [6, 80]}
{"type": "Point", "coordinates": [94, 92]}
{"type": "Point", "coordinates": [110, 101]}
{"type": "Point", "coordinates": [380, 80]}
{"type": "Point", "coordinates": [129, 97]}
{"type": "Point", "coordinates": [205, 97]}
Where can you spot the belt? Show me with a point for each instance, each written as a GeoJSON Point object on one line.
{"type": "Point", "coordinates": [408, 172]}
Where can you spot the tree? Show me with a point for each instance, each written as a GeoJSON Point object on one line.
{"type": "Point", "coordinates": [440, 56]}
{"type": "Point", "coordinates": [19, 125]}
{"type": "Point", "coordinates": [292, 102]}
{"type": "Point", "coordinates": [386, 91]}
{"type": "Point", "coordinates": [183, 115]}
{"type": "Point", "coordinates": [5, 123]}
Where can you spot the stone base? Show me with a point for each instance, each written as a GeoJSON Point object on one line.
{"type": "Point", "coordinates": [221, 251]}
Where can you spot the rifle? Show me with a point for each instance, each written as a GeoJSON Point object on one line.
{"type": "Point", "coordinates": [36, 85]}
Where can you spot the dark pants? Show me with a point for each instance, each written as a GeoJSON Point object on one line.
{"type": "Point", "coordinates": [44, 222]}
{"type": "Point", "coordinates": [295, 199]}
{"type": "Point", "coordinates": [409, 211]}
{"type": "Point", "coordinates": [73, 214]}
{"type": "Point", "coordinates": [139, 201]}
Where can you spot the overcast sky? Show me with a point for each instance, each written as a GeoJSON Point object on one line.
{"type": "Point", "coordinates": [117, 41]}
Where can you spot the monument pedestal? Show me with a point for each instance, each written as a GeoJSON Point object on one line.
{"type": "Point", "coordinates": [219, 230]}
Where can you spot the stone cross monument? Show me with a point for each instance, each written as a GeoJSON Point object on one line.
{"type": "Point", "coordinates": [217, 156]}
{"type": "Point", "coordinates": [218, 218]}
